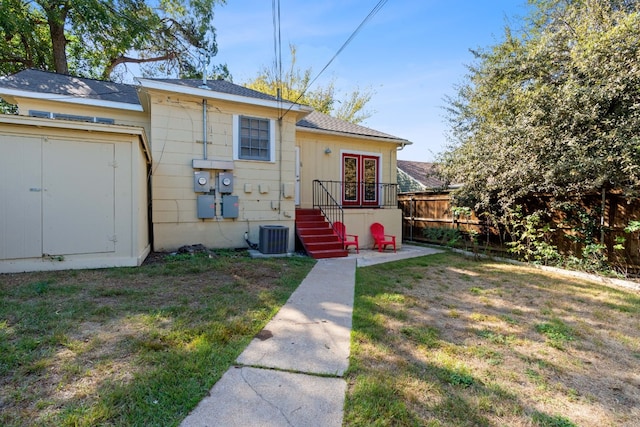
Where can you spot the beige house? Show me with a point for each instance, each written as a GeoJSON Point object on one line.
{"type": "Point", "coordinates": [166, 163]}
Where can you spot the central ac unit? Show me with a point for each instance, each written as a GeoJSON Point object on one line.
{"type": "Point", "coordinates": [274, 239]}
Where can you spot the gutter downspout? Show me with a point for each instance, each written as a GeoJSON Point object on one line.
{"type": "Point", "coordinates": [400, 148]}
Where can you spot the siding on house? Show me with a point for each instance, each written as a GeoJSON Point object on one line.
{"type": "Point", "coordinates": [315, 134]}
{"type": "Point", "coordinates": [316, 164]}
{"type": "Point", "coordinates": [169, 112]}
{"type": "Point", "coordinates": [177, 134]}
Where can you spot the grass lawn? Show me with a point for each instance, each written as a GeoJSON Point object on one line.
{"type": "Point", "coordinates": [445, 340]}
{"type": "Point", "coordinates": [131, 346]}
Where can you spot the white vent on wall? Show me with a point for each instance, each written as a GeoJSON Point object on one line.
{"type": "Point", "coordinates": [72, 117]}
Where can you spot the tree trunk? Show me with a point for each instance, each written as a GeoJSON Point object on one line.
{"type": "Point", "coordinates": [56, 17]}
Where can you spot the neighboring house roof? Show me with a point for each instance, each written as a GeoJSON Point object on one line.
{"type": "Point", "coordinates": [422, 172]}
{"type": "Point", "coordinates": [43, 84]}
{"type": "Point", "coordinates": [406, 184]}
{"type": "Point", "coordinates": [34, 83]}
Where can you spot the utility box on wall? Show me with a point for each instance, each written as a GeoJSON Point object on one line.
{"type": "Point", "coordinates": [206, 206]}
{"type": "Point", "coordinates": [230, 206]}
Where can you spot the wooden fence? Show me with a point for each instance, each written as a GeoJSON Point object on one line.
{"type": "Point", "coordinates": [425, 211]}
{"type": "Point", "coordinates": [421, 211]}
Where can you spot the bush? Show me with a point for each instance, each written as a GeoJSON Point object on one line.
{"type": "Point", "coordinates": [532, 238]}
{"type": "Point", "coordinates": [443, 236]}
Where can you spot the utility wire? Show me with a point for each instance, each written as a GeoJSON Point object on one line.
{"type": "Point", "coordinates": [370, 16]}
{"type": "Point", "coordinates": [277, 46]}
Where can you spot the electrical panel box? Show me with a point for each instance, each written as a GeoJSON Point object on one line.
{"type": "Point", "coordinates": [225, 182]}
{"type": "Point", "coordinates": [206, 206]}
{"type": "Point", "coordinates": [201, 181]}
{"type": "Point", "coordinates": [230, 206]}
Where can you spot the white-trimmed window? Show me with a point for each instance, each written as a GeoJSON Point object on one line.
{"type": "Point", "coordinates": [253, 138]}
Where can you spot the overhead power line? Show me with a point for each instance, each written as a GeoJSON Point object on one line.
{"type": "Point", "coordinates": [368, 18]}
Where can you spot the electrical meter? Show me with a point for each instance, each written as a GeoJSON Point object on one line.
{"type": "Point", "coordinates": [201, 181]}
{"type": "Point", "coordinates": [225, 182]}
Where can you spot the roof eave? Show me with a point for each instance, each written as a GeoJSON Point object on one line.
{"type": "Point", "coordinates": [14, 94]}
{"type": "Point", "coordinates": [85, 126]}
{"type": "Point", "coordinates": [398, 141]}
{"type": "Point", "coordinates": [212, 94]}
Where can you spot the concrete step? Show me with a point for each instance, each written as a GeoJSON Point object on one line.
{"type": "Point", "coordinates": [320, 254]}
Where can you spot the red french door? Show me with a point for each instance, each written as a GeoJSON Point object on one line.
{"type": "Point", "coordinates": [360, 180]}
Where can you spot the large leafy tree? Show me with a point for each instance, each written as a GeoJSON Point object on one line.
{"type": "Point", "coordinates": [294, 85]}
{"type": "Point", "coordinates": [93, 37]}
{"type": "Point", "coordinates": [553, 109]}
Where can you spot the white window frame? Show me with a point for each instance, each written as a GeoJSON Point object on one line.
{"type": "Point", "coordinates": [236, 139]}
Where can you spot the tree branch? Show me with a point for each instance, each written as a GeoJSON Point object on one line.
{"type": "Point", "coordinates": [126, 59]}
{"type": "Point", "coordinates": [17, 60]}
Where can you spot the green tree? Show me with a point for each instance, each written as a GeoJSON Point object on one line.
{"type": "Point", "coordinates": [294, 86]}
{"type": "Point", "coordinates": [93, 37]}
{"type": "Point", "coordinates": [554, 109]}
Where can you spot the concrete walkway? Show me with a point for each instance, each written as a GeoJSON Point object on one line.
{"type": "Point", "coordinates": [291, 373]}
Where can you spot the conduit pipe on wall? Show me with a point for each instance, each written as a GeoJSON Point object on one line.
{"type": "Point", "coordinates": [280, 163]}
{"type": "Point", "coordinates": [204, 129]}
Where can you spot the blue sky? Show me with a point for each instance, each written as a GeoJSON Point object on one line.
{"type": "Point", "coordinates": [411, 54]}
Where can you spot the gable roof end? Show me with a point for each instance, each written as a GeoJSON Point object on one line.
{"type": "Point", "coordinates": [222, 90]}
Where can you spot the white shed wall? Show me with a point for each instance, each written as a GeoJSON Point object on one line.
{"type": "Point", "coordinates": [70, 198]}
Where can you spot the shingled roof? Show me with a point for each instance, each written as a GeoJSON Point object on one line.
{"type": "Point", "coordinates": [37, 81]}
{"type": "Point", "coordinates": [422, 172]}
{"type": "Point", "coordinates": [43, 82]}
{"type": "Point", "coordinates": [323, 122]}
{"type": "Point", "coordinates": [221, 86]}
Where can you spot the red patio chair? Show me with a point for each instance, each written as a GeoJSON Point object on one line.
{"type": "Point", "coordinates": [380, 239]}
{"type": "Point", "coordinates": [347, 239]}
